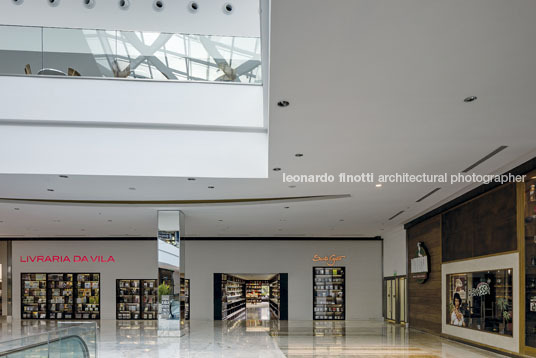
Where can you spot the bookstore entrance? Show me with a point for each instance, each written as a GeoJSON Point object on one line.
{"type": "Point", "coordinates": [261, 297]}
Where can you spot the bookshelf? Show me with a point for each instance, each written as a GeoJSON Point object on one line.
{"type": "Point", "coordinates": [60, 295]}
{"type": "Point", "coordinates": [87, 296]}
{"type": "Point", "coordinates": [275, 294]}
{"type": "Point", "coordinates": [329, 293]}
{"type": "Point", "coordinates": [254, 292]}
{"type": "Point", "coordinates": [128, 299]}
{"type": "Point", "coordinates": [34, 296]}
{"type": "Point", "coordinates": [149, 299]}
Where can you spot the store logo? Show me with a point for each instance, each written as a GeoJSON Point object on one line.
{"type": "Point", "coordinates": [481, 289]}
{"type": "Point", "coordinates": [420, 267]}
{"type": "Point", "coordinates": [329, 260]}
{"type": "Point", "coordinates": [62, 259]}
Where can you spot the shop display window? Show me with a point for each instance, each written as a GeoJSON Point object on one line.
{"type": "Point", "coordinates": [530, 260]}
{"type": "Point", "coordinates": [136, 299]}
{"type": "Point", "coordinates": [87, 296]}
{"type": "Point", "coordinates": [481, 301]}
{"type": "Point", "coordinates": [328, 293]}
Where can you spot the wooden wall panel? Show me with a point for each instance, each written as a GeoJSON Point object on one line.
{"type": "Point", "coordinates": [424, 300]}
{"type": "Point", "coordinates": [483, 226]}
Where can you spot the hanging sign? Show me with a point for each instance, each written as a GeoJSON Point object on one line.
{"type": "Point", "coordinates": [329, 260]}
{"type": "Point", "coordinates": [420, 265]}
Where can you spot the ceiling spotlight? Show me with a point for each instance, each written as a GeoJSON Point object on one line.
{"type": "Point", "coordinates": [50, 189]}
{"type": "Point", "coordinates": [193, 6]}
{"type": "Point", "coordinates": [53, 2]}
{"type": "Point", "coordinates": [191, 179]}
{"type": "Point", "coordinates": [292, 186]}
{"type": "Point", "coordinates": [287, 207]}
{"type": "Point", "coordinates": [283, 103]}
{"type": "Point", "coordinates": [90, 4]}
{"type": "Point", "coordinates": [378, 185]}
{"type": "Point", "coordinates": [298, 155]}
{"type": "Point", "coordinates": [276, 169]}
{"type": "Point", "coordinates": [158, 5]}
{"type": "Point", "coordinates": [63, 176]}
{"type": "Point", "coordinates": [131, 188]}
{"type": "Point", "coordinates": [470, 99]}
{"type": "Point", "coordinates": [211, 187]}
{"type": "Point", "coordinates": [220, 220]}
{"type": "Point", "coordinates": [228, 8]}
{"type": "Point", "coordinates": [341, 219]}
{"type": "Point", "coordinates": [18, 2]}
{"type": "Point", "coordinates": [109, 221]}
{"type": "Point", "coordinates": [16, 208]}
{"type": "Point", "coordinates": [124, 4]}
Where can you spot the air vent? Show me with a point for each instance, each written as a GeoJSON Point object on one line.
{"type": "Point", "coordinates": [395, 215]}
{"type": "Point", "coordinates": [496, 151]}
{"type": "Point", "coordinates": [427, 195]}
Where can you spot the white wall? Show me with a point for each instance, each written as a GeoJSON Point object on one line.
{"type": "Point", "coordinates": [394, 252]}
{"type": "Point", "coordinates": [134, 259]}
{"type": "Point", "coordinates": [362, 262]}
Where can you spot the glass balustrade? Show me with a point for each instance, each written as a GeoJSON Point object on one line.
{"type": "Point", "coordinates": [71, 341]}
{"type": "Point", "coordinates": [42, 51]}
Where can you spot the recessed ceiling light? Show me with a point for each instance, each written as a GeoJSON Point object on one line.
{"type": "Point", "coordinates": [191, 179]}
{"type": "Point", "coordinates": [64, 176]}
{"type": "Point", "coordinates": [50, 189]}
{"type": "Point", "coordinates": [470, 99]}
{"type": "Point", "coordinates": [299, 155]}
{"type": "Point", "coordinates": [378, 185]}
{"type": "Point", "coordinates": [283, 103]}
{"type": "Point", "coordinates": [341, 219]}
{"type": "Point", "coordinates": [131, 188]}
{"type": "Point", "coordinates": [16, 208]}
{"type": "Point", "coordinates": [109, 221]}
{"type": "Point", "coordinates": [276, 169]}
{"type": "Point", "coordinates": [292, 186]}
{"type": "Point", "coordinates": [211, 187]}
{"type": "Point", "coordinates": [220, 220]}
{"type": "Point", "coordinates": [287, 207]}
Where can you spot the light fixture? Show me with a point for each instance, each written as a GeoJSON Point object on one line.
{"type": "Point", "coordinates": [292, 186]}
{"type": "Point", "coordinates": [276, 169]}
{"type": "Point", "coordinates": [191, 179]}
{"type": "Point", "coordinates": [287, 207]}
{"type": "Point", "coordinates": [220, 220]}
{"type": "Point", "coordinates": [50, 189]}
{"type": "Point", "coordinates": [16, 208]}
{"type": "Point", "coordinates": [18, 2]}
{"type": "Point", "coordinates": [193, 6]}
{"type": "Point", "coordinates": [158, 5]}
{"type": "Point", "coordinates": [534, 177]}
{"type": "Point", "coordinates": [63, 176]}
{"type": "Point", "coordinates": [131, 188]}
{"type": "Point", "coordinates": [341, 219]}
{"type": "Point", "coordinates": [228, 8]}
{"type": "Point", "coordinates": [298, 155]}
{"type": "Point", "coordinates": [53, 2]}
{"type": "Point", "coordinates": [109, 220]}
{"type": "Point", "coordinates": [90, 4]}
{"type": "Point", "coordinates": [211, 187]}
{"type": "Point", "coordinates": [124, 4]}
{"type": "Point", "coordinates": [378, 185]}
{"type": "Point", "coordinates": [283, 103]}
{"type": "Point", "coordinates": [470, 99]}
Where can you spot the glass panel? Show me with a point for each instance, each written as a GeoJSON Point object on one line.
{"type": "Point", "coordinates": [481, 300]}
{"type": "Point", "coordinates": [129, 54]}
{"type": "Point", "coordinates": [530, 261]}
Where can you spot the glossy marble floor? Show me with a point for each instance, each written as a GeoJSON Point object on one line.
{"type": "Point", "coordinates": [256, 338]}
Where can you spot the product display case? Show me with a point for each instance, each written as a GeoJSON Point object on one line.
{"type": "Point", "coordinates": [233, 297]}
{"type": "Point", "coordinates": [329, 293]}
{"type": "Point", "coordinates": [60, 292]}
{"type": "Point", "coordinates": [128, 299]}
{"type": "Point", "coordinates": [185, 297]}
{"type": "Point", "coordinates": [34, 296]}
{"type": "Point", "coordinates": [530, 259]}
{"type": "Point", "coordinates": [275, 288]}
{"type": "Point", "coordinates": [87, 304]}
{"type": "Point", "coordinates": [149, 299]}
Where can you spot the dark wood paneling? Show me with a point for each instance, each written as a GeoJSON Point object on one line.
{"type": "Point", "coordinates": [424, 300]}
{"type": "Point", "coordinates": [483, 226]}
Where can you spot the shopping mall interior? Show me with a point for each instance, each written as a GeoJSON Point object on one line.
{"type": "Point", "coordinates": [267, 178]}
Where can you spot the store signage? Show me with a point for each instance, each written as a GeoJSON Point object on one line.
{"type": "Point", "coordinates": [63, 259]}
{"type": "Point", "coordinates": [329, 260]}
{"type": "Point", "coordinates": [481, 289]}
{"type": "Point", "coordinates": [420, 267]}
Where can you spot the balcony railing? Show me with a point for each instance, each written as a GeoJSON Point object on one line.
{"type": "Point", "coordinates": [129, 55]}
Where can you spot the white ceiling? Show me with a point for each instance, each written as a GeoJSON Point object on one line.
{"type": "Point", "coordinates": [374, 86]}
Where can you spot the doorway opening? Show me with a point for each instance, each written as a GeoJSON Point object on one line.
{"type": "Point", "coordinates": [248, 296]}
